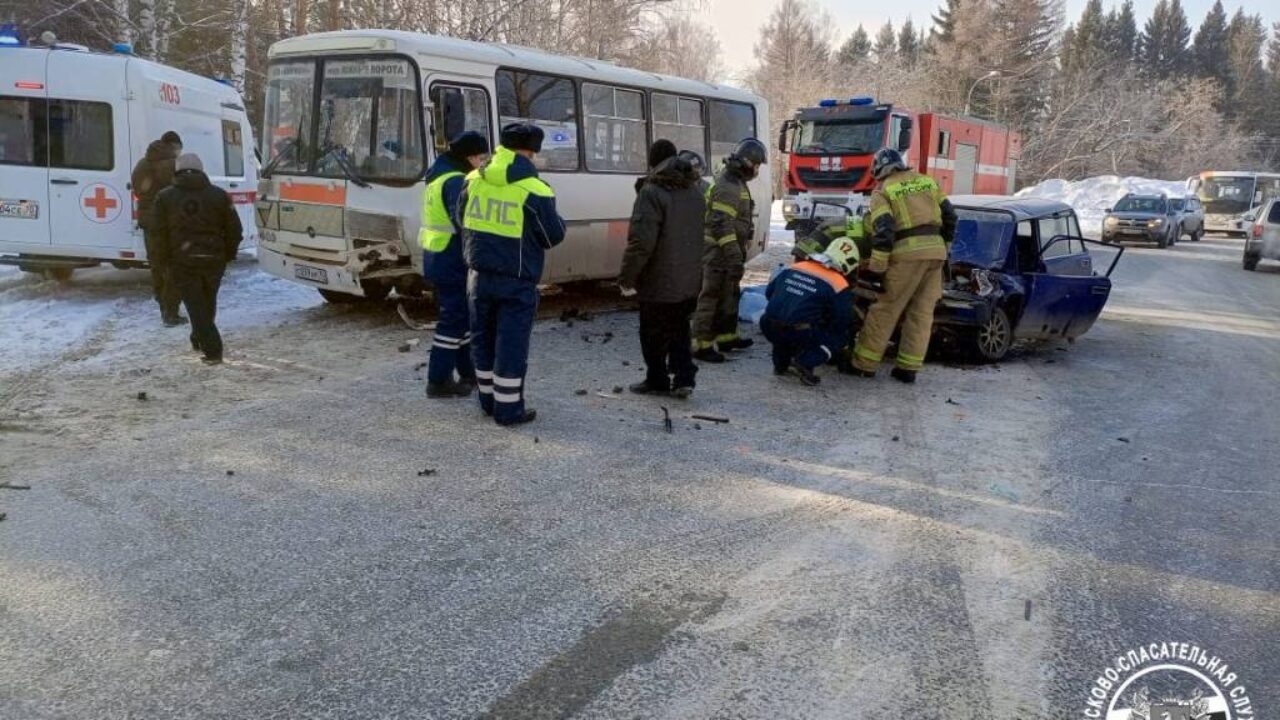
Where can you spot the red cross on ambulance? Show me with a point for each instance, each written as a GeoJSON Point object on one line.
{"type": "Point", "coordinates": [100, 203]}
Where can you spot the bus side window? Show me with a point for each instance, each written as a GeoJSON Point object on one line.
{"type": "Point", "coordinates": [457, 110]}
{"type": "Point", "coordinates": [731, 123]}
{"type": "Point", "coordinates": [549, 102]}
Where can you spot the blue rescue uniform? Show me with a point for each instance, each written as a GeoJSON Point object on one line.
{"type": "Point", "coordinates": [445, 269]}
{"type": "Point", "coordinates": [808, 316]}
{"type": "Point", "coordinates": [510, 221]}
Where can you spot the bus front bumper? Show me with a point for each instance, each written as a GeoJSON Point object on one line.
{"type": "Point", "coordinates": [338, 278]}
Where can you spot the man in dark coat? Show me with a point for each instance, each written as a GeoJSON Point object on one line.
{"type": "Point", "coordinates": [662, 267]}
{"type": "Point", "coordinates": [153, 173]}
{"type": "Point", "coordinates": [198, 232]}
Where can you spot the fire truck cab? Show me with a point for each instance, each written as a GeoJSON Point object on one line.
{"type": "Point", "coordinates": [829, 150]}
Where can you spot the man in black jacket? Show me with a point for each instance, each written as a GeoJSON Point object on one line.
{"type": "Point", "coordinates": [662, 266]}
{"type": "Point", "coordinates": [198, 232]}
{"type": "Point", "coordinates": [152, 174]}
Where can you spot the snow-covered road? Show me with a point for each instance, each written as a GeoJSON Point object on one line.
{"type": "Point", "coordinates": [299, 533]}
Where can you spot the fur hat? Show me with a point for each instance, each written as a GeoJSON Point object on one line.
{"type": "Point", "coordinates": [469, 143]}
{"type": "Point", "coordinates": [172, 138]}
{"type": "Point", "coordinates": [661, 150]}
{"type": "Point", "coordinates": [522, 136]}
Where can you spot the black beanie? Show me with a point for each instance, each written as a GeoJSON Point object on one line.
{"type": "Point", "coordinates": [661, 150]}
{"type": "Point", "coordinates": [467, 144]}
{"type": "Point", "coordinates": [522, 136]}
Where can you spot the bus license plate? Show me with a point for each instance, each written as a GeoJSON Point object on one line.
{"type": "Point", "coordinates": [315, 275]}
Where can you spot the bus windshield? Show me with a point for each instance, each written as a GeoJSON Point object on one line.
{"type": "Point", "coordinates": [364, 119]}
{"type": "Point", "coordinates": [1226, 195]}
{"type": "Point", "coordinates": [844, 137]}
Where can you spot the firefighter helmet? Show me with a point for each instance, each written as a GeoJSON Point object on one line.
{"type": "Point", "coordinates": [886, 160]}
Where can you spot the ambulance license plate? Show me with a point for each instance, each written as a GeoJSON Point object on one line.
{"type": "Point", "coordinates": [21, 209]}
{"type": "Point", "coordinates": [315, 275]}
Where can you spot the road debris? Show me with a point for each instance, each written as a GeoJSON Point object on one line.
{"type": "Point", "coordinates": [604, 394]}
{"type": "Point", "coordinates": [1123, 439]}
{"type": "Point", "coordinates": [710, 418]}
{"type": "Point", "coordinates": [666, 419]}
{"type": "Point", "coordinates": [580, 391]}
{"type": "Point", "coordinates": [408, 345]}
{"type": "Point", "coordinates": [617, 389]}
{"type": "Point", "coordinates": [3, 516]}
{"type": "Point", "coordinates": [11, 486]}
{"type": "Point", "coordinates": [426, 472]}
{"type": "Point", "coordinates": [895, 438]}
{"type": "Point", "coordinates": [1026, 611]}
{"type": "Point", "coordinates": [142, 396]}
{"type": "Point", "coordinates": [231, 473]}
{"type": "Point", "coordinates": [952, 402]}
{"type": "Point", "coordinates": [605, 337]}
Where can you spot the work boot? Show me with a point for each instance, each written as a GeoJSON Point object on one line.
{"type": "Point", "coordinates": [448, 389]}
{"type": "Point", "coordinates": [903, 376]}
{"type": "Point", "coordinates": [807, 376]}
{"type": "Point", "coordinates": [646, 388]}
{"type": "Point", "coordinates": [174, 320]}
{"type": "Point", "coordinates": [682, 392]}
{"type": "Point", "coordinates": [526, 417]}
{"type": "Point", "coordinates": [857, 372]}
{"type": "Point", "coordinates": [195, 346]}
{"type": "Point", "coordinates": [708, 354]}
{"type": "Point", "coordinates": [738, 343]}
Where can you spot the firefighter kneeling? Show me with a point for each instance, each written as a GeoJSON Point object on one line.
{"type": "Point", "coordinates": [810, 308]}
{"type": "Point", "coordinates": [912, 224]}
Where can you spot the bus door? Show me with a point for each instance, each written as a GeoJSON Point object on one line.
{"type": "Point", "coordinates": [457, 105]}
{"type": "Point", "coordinates": [24, 171]}
{"type": "Point", "coordinates": [89, 158]}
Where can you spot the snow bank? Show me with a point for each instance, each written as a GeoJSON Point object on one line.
{"type": "Point", "coordinates": [1092, 196]}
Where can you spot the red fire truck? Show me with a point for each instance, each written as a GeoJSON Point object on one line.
{"type": "Point", "coordinates": [829, 149]}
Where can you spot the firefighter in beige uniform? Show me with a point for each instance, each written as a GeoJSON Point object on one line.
{"type": "Point", "coordinates": [912, 224]}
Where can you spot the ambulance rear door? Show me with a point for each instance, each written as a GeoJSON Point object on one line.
{"type": "Point", "coordinates": [240, 179]}
{"type": "Point", "coordinates": [89, 155]}
{"type": "Point", "coordinates": [24, 171]}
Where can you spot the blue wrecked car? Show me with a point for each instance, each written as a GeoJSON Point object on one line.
{"type": "Point", "coordinates": [1019, 269]}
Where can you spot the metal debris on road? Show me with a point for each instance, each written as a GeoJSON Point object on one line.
{"type": "Point", "coordinates": [11, 486]}
{"type": "Point", "coordinates": [952, 402]}
{"type": "Point", "coordinates": [580, 391]}
{"type": "Point", "coordinates": [231, 473]}
{"type": "Point", "coordinates": [1123, 439]}
{"type": "Point", "coordinates": [605, 337]}
{"type": "Point", "coordinates": [666, 419]}
{"type": "Point", "coordinates": [142, 396]}
{"type": "Point", "coordinates": [617, 389]}
{"type": "Point", "coordinates": [604, 394]}
{"type": "Point", "coordinates": [710, 418]}
{"type": "Point", "coordinates": [1026, 611]}
{"type": "Point", "coordinates": [426, 472]}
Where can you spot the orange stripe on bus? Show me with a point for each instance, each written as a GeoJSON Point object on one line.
{"type": "Point", "coordinates": [318, 194]}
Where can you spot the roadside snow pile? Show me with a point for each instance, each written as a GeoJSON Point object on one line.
{"type": "Point", "coordinates": [1092, 196]}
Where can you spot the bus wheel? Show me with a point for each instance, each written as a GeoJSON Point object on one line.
{"type": "Point", "coordinates": [338, 298]}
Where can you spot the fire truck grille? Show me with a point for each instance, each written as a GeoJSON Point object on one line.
{"type": "Point", "coordinates": [831, 178]}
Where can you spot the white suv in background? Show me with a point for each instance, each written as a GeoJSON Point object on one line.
{"type": "Point", "coordinates": [1263, 240]}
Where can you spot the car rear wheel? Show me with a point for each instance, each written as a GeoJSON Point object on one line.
{"type": "Point", "coordinates": [1250, 262]}
{"type": "Point", "coordinates": [992, 340]}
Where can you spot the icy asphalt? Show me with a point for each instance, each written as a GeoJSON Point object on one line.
{"type": "Point", "coordinates": [300, 534]}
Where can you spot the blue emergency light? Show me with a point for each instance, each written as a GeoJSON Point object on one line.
{"type": "Point", "coordinates": [829, 102]}
{"type": "Point", "coordinates": [122, 48]}
{"type": "Point", "coordinates": [9, 35]}
{"type": "Point", "coordinates": [862, 100]}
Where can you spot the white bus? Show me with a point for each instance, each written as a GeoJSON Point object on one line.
{"type": "Point", "coordinates": [72, 125]}
{"type": "Point", "coordinates": [1228, 195]}
{"type": "Point", "coordinates": [353, 119]}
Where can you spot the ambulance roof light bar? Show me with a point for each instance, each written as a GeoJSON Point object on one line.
{"type": "Point", "coordinates": [9, 35]}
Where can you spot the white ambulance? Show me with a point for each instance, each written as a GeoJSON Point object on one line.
{"type": "Point", "coordinates": [72, 125]}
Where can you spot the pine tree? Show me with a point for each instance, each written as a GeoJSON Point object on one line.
{"type": "Point", "coordinates": [1086, 44]}
{"type": "Point", "coordinates": [856, 49]}
{"type": "Point", "coordinates": [1246, 36]}
{"type": "Point", "coordinates": [944, 22]}
{"type": "Point", "coordinates": [886, 47]}
{"type": "Point", "coordinates": [1121, 33]}
{"type": "Point", "coordinates": [1210, 51]}
{"type": "Point", "coordinates": [1162, 46]}
{"type": "Point", "coordinates": [909, 47]}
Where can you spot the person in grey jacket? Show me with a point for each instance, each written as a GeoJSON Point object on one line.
{"type": "Point", "coordinates": [662, 267]}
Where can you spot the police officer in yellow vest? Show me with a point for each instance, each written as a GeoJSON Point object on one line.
{"type": "Point", "coordinates": [443, 267]}
{"type": "Point", "coordinates": [510, 221]}
{"type": "Point", "coordinates": [912, 224]}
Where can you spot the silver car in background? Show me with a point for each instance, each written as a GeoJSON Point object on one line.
{"type": "Point", "coordinates": [1190, 216]}
{"type": "Point", "coordinates": [1263, 239]}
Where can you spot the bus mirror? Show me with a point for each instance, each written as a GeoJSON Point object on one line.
{"type": "Point", "coordinates": [782, 136]}
{"type": "Point", "coordinates": [904, 138]}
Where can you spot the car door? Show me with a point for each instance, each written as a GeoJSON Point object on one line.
{"type": "Point", "coordinates": [89, 159]}
{"type": "Point", "coordinates": [24, 156]}
{"type": "Point", "coordinates": [1064, 296]}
